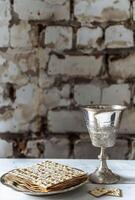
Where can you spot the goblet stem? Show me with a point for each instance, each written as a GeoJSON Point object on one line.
{"type": "Point", "coordinates": [103, 174]}
{"type": "Point", "coordinates": [102, 157]}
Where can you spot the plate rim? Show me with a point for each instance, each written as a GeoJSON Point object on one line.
{"type": "Point", "coordinates": [42, 193]}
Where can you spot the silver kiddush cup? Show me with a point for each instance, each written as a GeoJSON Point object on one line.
{"type": "Point", "coordinates": [102, 122]}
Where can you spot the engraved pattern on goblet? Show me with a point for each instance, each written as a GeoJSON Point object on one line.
{"type": "Point", "coordinates": [102, 122]}
{"type": "Point", "coordinates": [105, 137]}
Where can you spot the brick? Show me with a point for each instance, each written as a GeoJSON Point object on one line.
{"type": "Point", "coordinates": [131, 155]}
{"type": "Point", "coordinates": [122, 68]}
{"type": "Point", "coordinates": [87, 94]}
{"type": "Point", "coordinates": [6, 149]}
{"type": "Point", "coordinates": [2, 60]}
{"type": "Point", "coordinates": [4, 97]}
{"type": "Point", "coordinates": [89, 37]}
{"type": "Point", "coordinates": [22, 35]}
{"type": "Point", "coordinates": [9, 73]}
{"type": "Point", "coordinates": [45, 81]}
{"type": "Point", "coordinates": [21, 66]}
{"type": "Point", "coordinates": [27, 106]}
{"type": "Point", "coordinates": [35, 124]}
{"type": "Point", "coordinates": [27, 94]}
{"type": "Point", "coordinates": [1, 89]}
{"type": "Point", "coordinates": [43, 56]}
{"type": "Point", "coordinates": [33, 149]}
{"type": "Point", "coordinates": [57, 147]}
{"type": "Point", "coordinates": [116, 94]}
{"type": "Point", "coordinates": [4, 36]}
{"type": "Point", "coordinates": [42, 9]}
{"type": "Point", "coordinates": [134, 10]}
{"type": "Point", "coordinates": [87, 11]}
{"type": "Point", "coordinates": [5, 11]}
{"type": "Point", "coordinates": [66, 122]}
{"type": "Point", "coordinates": [75, 66]}
{"type": "Point", "coordinates": [21, 120]}
{"type": "Point", "coordinates": [58, 37]}
{"type": "Point", "coordinates": [4, 101]}
{"type": "Point", "coordinates": [6, 125]}
{"type": "Point", "coordinates": [118, 36]}
{"type": "Point", "coordinates": [55, 97]}
{"type": "Point", "coordinates": [128, 121]}
{"type": "Point", "coordinates": [23, 116]}
{"type": "Point", "coordinates": [119, 151]}
{"type": "Point", "coordinates": [5, 112]}
{"type": "Point", "coordinates": [15, 122]}
{"type": "Point", "coordinates": [83, 149]}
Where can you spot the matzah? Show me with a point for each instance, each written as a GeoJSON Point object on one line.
{"type": "Point", "coordinates": [46, 176]}
{"type": "Point", "coordinates": [101, 191]}
{"type": "Point", "coordinates": [115, 192]}
{"type": "Point", "coordinates": [98, 192]}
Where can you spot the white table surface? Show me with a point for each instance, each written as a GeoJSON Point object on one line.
{"type": "Point", "coordinates": [126, 169]}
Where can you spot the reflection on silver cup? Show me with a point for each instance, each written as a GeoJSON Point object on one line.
{"type": "Point", "coordinates": [103, 139]}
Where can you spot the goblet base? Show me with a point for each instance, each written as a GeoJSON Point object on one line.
{"type": "Point", "coordinates": [106, 177]}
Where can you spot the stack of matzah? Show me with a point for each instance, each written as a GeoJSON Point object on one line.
{"type": "Point", "coordinates": [45, 177]}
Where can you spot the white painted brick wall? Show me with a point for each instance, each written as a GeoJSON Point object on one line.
{"type": "Point", "coordinates": [87, 94]}
{"type": "Point", "coordinates": [132, 153]}
{"type": "Point", "coordinates": [18, 66]}
{"type": "Point", "coordinates": [32, 148]}
{"type": "Point", "coordinates": [57, 147]}
{"type": "Point", "coordinates": [45, 81]}
{"type": "Point", "coordinates": [5, 11]}
{"type": "Point", "coordinates": [43, 56]}
{"type": "Point", "coordinates": [21, 35]}
{"type": "Point", "coordinates": [9, 73]}
{"type": "Point", "coordinates": [118, 36]}
{"type": "Point", "coordinates": [42, 9]}
{"type": "Point", "coordinates": [55, 97]}
{"type": "Point", "coordinates": [122, 68]}
{"type": "Point", "coordinates": [134, 10]}
{"type": "Point", "coordinates": [75, 66]}
{"type": "Point", "coordinates": [101, 11]}
{"type": "Point", "coordinates": [57, 37]}
{"type": "Point", "coordinates": [116, 94]}
{"type": "Point", "coordinates": [4, 35]}
{"type": "Point", "coordinates": [66, 122]}
{"type": "Point", "coordinates": [128, 121]}
{"type": "Point", "coordinates": [83, 149]}
{"type": "Point", "coordinates": [4, 101]}
{"type": "Point", "coordinates": [89, 37]}
{"type": "Point", "coordinates": [119, 151]}
{"type": "Point", "coordinates": [6, 149]}
{"type": "Point", "coordinates": [18, 123]}
{"type": "Point", "coordinates": [2, 60]}
{"type": "Point", "coordinates": [27, 94]}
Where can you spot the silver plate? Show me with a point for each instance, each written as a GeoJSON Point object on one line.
{"type": "Point", "coordinates": [15, 187]}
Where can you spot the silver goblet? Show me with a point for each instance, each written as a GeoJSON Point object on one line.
{"type": "Point", "coordinates": [102, 122]}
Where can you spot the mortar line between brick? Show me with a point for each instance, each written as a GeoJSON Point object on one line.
{"type": "Point", "coordinates": [72, 9]}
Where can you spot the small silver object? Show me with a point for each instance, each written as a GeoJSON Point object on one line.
{"type": "Point", "coordinates": [102, 122]}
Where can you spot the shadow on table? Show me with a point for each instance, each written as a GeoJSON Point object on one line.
{"type": "Point", "coordinates": [80, 194]}
{"type": "Point", "coordinates": [127, 180]}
